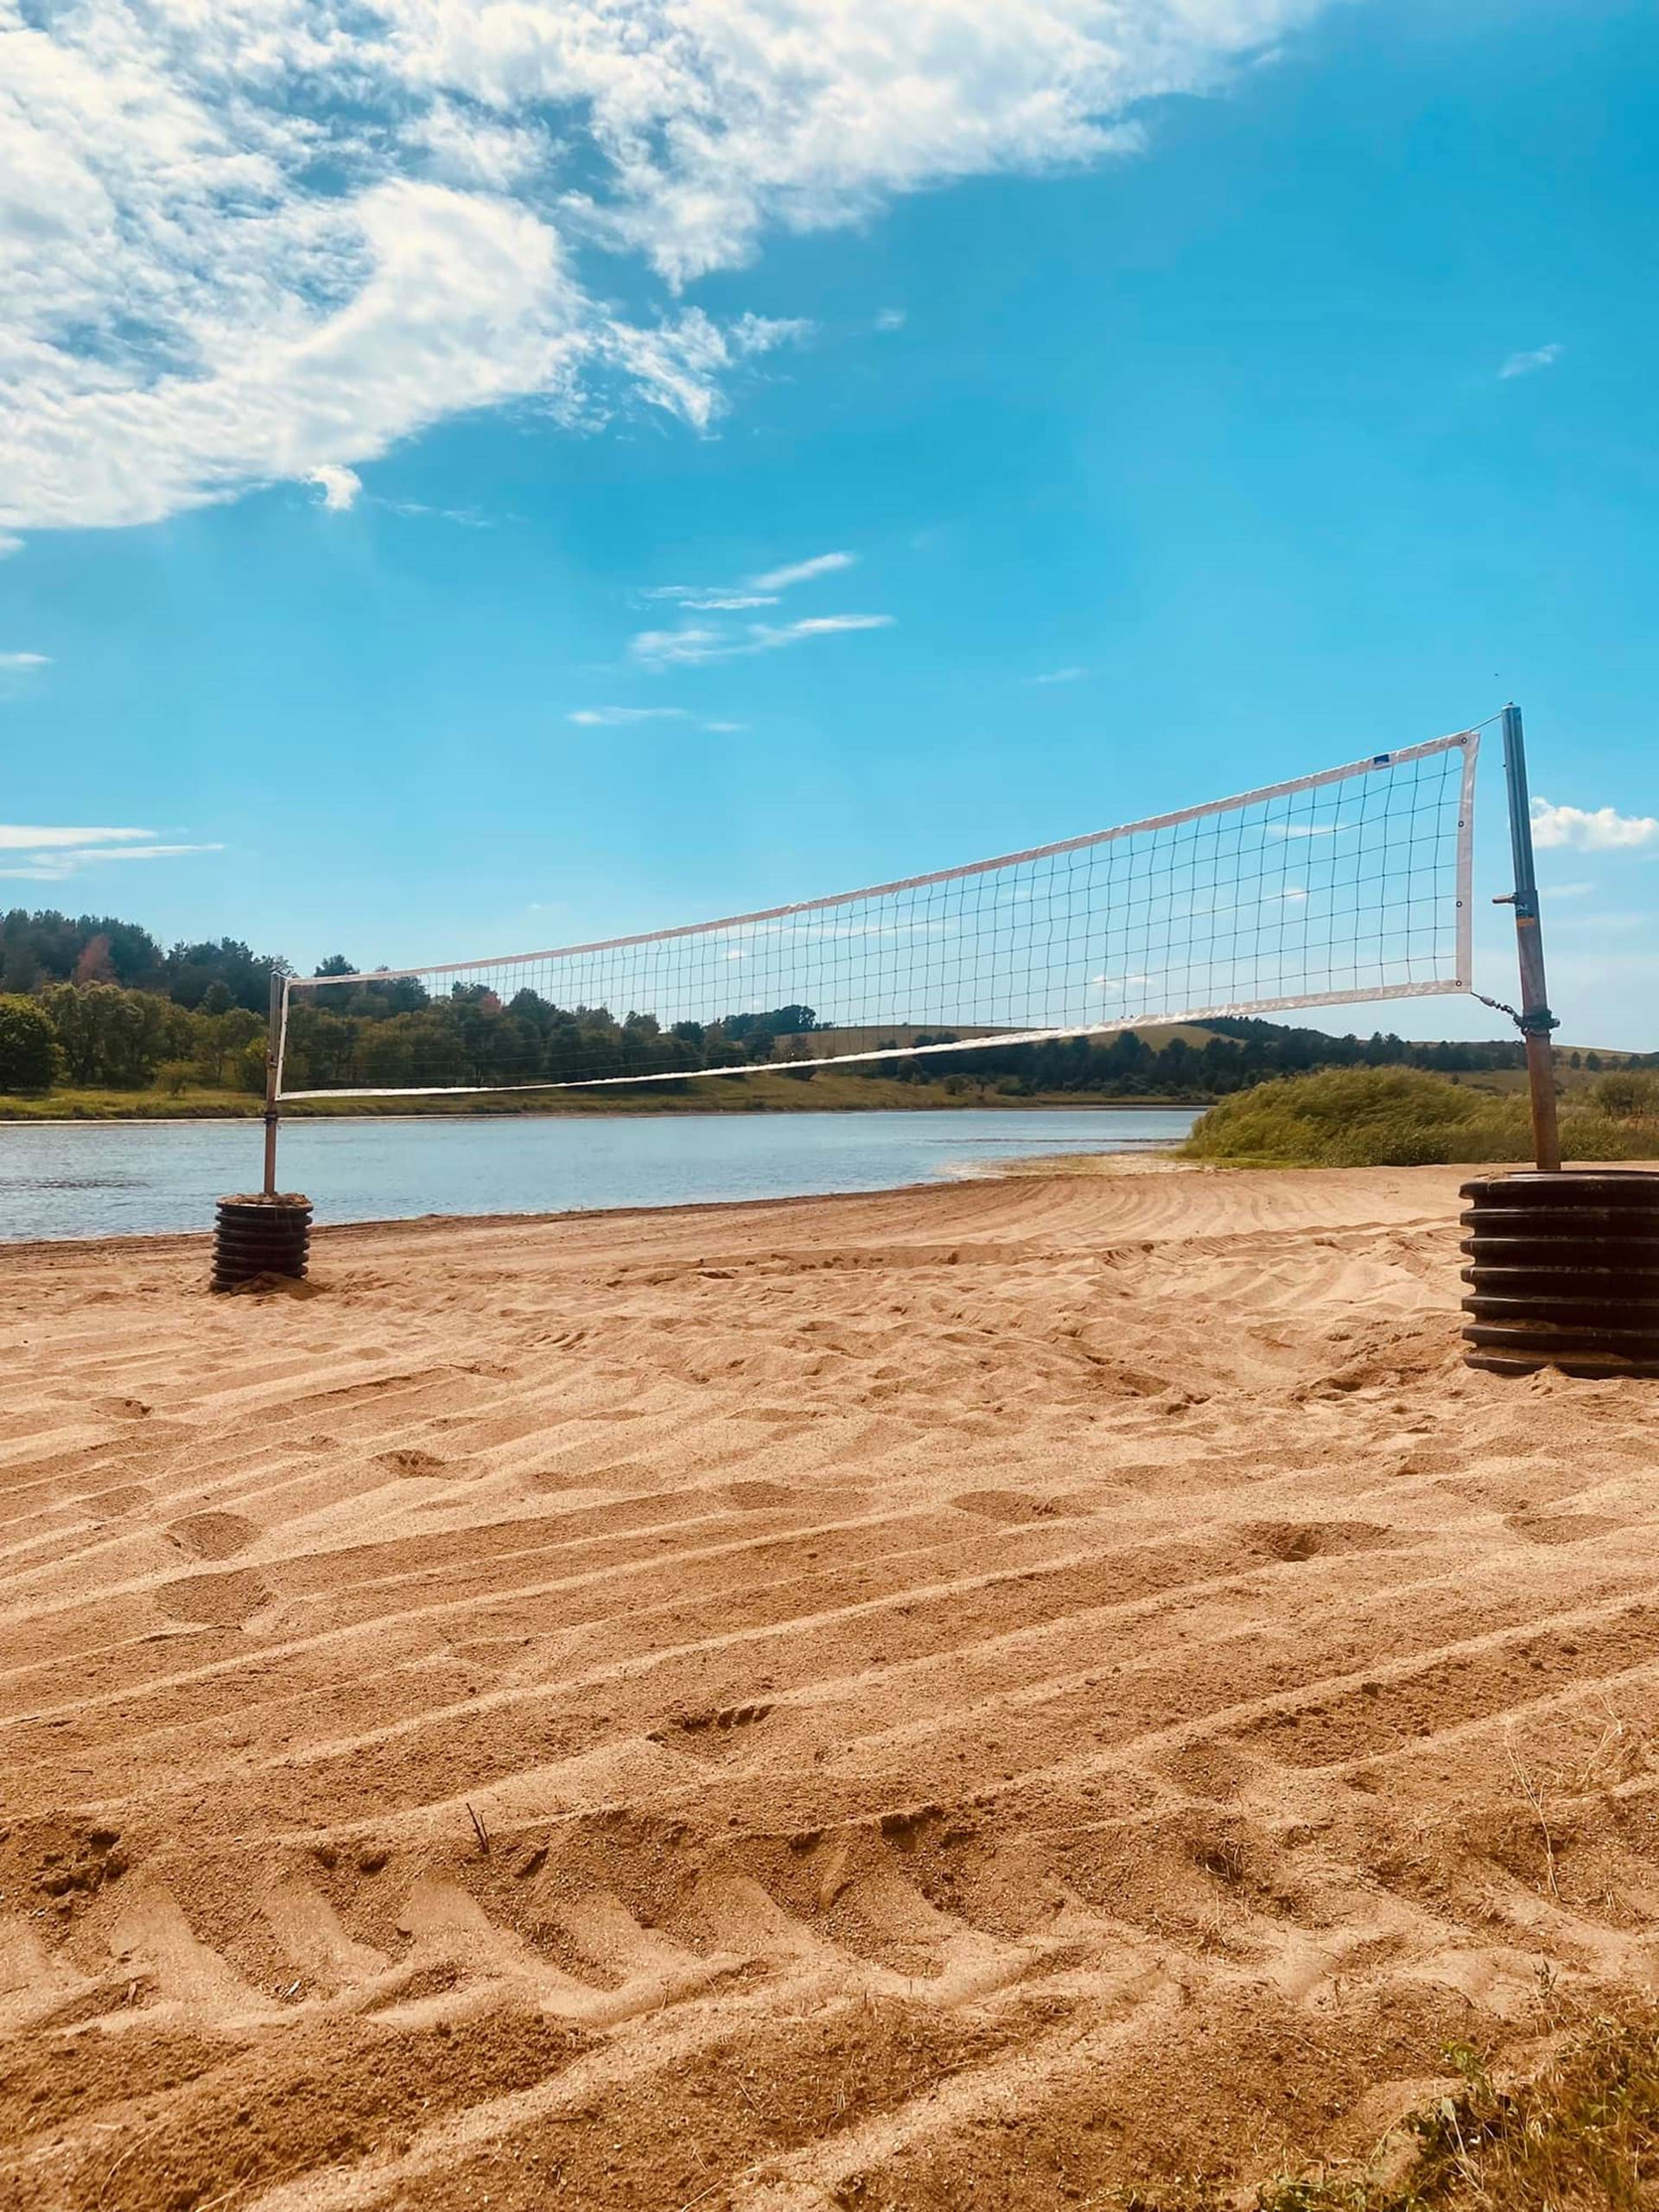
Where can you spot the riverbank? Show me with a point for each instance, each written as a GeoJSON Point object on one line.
{"type": "Point", "coordinates": [836, 1703]}
{"type": "Point", "coordinates": [768, 1091]}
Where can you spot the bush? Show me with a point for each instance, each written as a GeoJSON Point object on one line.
{"type": "Point", "coordinates": [1630, 1098]}
{"type": "Point", "coordinates": [1388, 1117]}
{"type": "Point", "coordinates": [173, 1077]}
{"type": "Point", "coordinates": [29, 1058]}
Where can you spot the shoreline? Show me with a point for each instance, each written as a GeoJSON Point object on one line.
{"type": "Point", "coordinates": [434, 1225]}
{"type": "Point", "coordinates": [1020, 1167]}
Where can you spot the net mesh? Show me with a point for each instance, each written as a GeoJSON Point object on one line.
{"type": "Point", "coordinates": [1348, 885]}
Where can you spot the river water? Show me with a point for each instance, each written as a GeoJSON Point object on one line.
{"type": "Point", "coordinates": [120, 1178]}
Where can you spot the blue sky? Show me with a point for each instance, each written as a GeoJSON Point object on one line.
{"type": "Point", "coordinates": [1103, 407]}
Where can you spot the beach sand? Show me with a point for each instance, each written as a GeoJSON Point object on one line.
{"type": "Point", "coordinates": [995, 1695]}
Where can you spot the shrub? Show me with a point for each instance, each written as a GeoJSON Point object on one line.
{"type": "Point", "coordinates": [1388, 1117]}
{"type": "Point", "coordinates": [1628, 1097]}
{"type": "Point", "coordinates": [173, 1077]}
{"type": "Point", "coordinates": [29, 1058]}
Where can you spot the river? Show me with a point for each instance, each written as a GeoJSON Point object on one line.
{"type": "Point", "coordinates": [121, 1179]}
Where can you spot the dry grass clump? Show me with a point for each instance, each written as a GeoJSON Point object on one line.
{"type": "Point", "coordinates": [1400, 1117]}
{"type": "Point", "coordinates": [1582, 2136]}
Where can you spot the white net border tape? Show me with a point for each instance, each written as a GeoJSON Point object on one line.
{"type": "Point", "coordinates": [1469, 740]}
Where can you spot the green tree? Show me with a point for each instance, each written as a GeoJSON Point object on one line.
{"type": "Point", "coordinates": [220, 1038]}
{"type": "Point", "coordinates": [29, 1058]}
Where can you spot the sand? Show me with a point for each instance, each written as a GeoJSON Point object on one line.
{"type": "Point", "coordinates": [999, 1695]}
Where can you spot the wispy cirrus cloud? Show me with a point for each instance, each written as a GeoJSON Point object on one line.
{"type": "Point", "coordinates": [38, 853]}
{"type": "Point", "coordinates": [697, 642]}
{"type": "Point", "coordinates": [763, 590]}
{"type": "Point", "coordinates": [802, 572]}
{"type": "Point", "coordinates": [625, 717]}
{"type": "Point", "coordinates": [619, 717]}
{"type": "Point", "coordinates": [1598, 829]}
{"type": "Point", "coordinates": [15, 834]}
{"type": "Point", "coordinates": [217, 275]}
{"type": "Point", "coordinates": [1526, 365]}
{"type": "Point", "coordinates": [710, 599]}
{"type": "Point", "coordinates": [694, 643]}
{"type": "Point", "coordinates": [1060, 676]}
{"type": "Point", "coordinates": [23, 664]}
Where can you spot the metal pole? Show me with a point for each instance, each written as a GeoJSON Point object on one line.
{"type": "Point", "coordinates": [1536, 1020]}
{"type": "Point", "coordinates": [273, 1053]}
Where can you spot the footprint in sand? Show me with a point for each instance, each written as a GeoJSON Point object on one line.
{"type": "Point", "coordinates": [213, 1535]}
{"type": "Point", "coordinates": [757, 1495]}
{"type": "Point", "coordinates": [1009, 1505]}
{"type": "Point", "coordinates": [1560, 1528]}
{"type": "Point", "coordinates": [215, 1600]}
{"type": "Point", "coordinates": [411, 1461]}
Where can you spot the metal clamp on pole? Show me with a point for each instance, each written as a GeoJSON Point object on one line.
{"type": "Point", "coordinates": [1534, 1020]}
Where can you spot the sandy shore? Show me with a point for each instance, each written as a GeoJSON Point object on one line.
{"type": "Point", "coordinates": [989, 1696]}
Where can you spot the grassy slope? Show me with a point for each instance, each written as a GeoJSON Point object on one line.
{"type": "Point", "coordinates": [1397, 1117]}
{"type": "Point", "coordinates": [829, 1090]}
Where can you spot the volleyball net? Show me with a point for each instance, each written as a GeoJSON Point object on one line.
{"type": "Point", "coordinates": [1334, 889]}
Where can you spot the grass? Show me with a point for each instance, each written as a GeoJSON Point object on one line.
{"type": "Point", "coordinates": [1400, 1117]}
{"type": "Point", "coordinates": [1580, 2136]}
{"type": "Point", "coordinates": [771, 1092]}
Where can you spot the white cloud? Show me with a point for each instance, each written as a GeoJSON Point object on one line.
{"type": "Point", "coordinates": [14, 836]}
{"type": "Point", "coordinates": [677, 365]}
{"type": "Point", "coordinates": [803, 572]}
{"type": "Point", "coordinates": [625, 717]}
{"type": "Point", "coordinates": [1600, 830]}
{"type": "Point", "coordinates": [617, 717]}
{"type": "Point", "coordinates": [10, 544]}
{"type": "Point", "coordinates": [1522, 364]}
{"type": "Point", "coordinates": [339, 486]}
{"type": "Point", "coordinates": [84, 857]}
{"type": "Point", "coordinates": [21, 664]}
{"type": "Point", "coordinates": [694, 643]}
{"type": "Point", "coordinates": [764, 590]}
{"type": "Point", "coordinates": [1062, 676]}
{"type": "Point", "coordinates": [241, 244]}
{"type": "Point", "coordinates": [890, 319]}
{"type": "Point", "coordinates": [52, 856]}
{"type": "Point", "coordinates": [711, 599]}
{"type": "Point", "coordinates": [468, 517]}
{"type": "Point", "coordinates": [822, 625]}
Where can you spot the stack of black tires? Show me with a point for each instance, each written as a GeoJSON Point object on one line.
{"type": "Point", "coordinates": [1563, 1272]}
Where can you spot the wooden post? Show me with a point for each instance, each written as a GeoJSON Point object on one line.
{"type": "Point", "coordinates": [273, 1062]}
{"type": "Point", "coordinates": [1535, 1019]}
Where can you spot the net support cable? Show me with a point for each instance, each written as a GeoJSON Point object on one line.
{"type": "Point", "coordinates": [1350, 885]}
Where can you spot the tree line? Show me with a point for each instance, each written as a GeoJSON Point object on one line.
{"type": "Point", "coordinates": [97, 1003]}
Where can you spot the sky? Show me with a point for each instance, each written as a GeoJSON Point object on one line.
{"type": "Point", "coordinates": [477, 475]}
